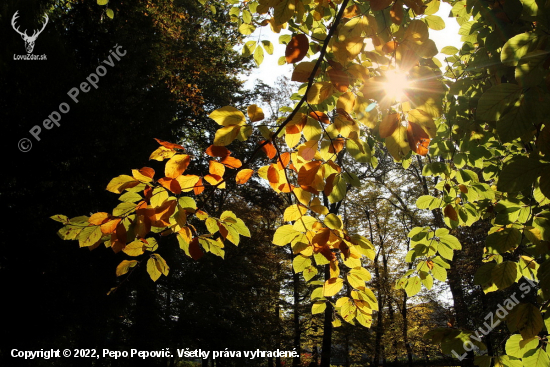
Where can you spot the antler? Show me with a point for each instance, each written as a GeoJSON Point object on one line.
{"type": "Point", "coordinates": [35, 35]}
{"type": "Point", "coordinates": [13, 19]}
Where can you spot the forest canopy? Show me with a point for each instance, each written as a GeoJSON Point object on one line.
{"type": "Point", "coordinates": [380, 178]}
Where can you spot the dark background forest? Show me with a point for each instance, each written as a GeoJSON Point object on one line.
{"type": "Point", "coordinates": [180, 65]}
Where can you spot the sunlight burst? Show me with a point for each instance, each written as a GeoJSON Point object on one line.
{"type": "Point", "coordinates": [395, 85]}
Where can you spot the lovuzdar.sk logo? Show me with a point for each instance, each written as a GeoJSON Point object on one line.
{"type": "Point", "coordinates": [29, 40]}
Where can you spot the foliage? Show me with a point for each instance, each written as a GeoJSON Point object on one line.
{"type": "Point", "coordinates": [481, 126]}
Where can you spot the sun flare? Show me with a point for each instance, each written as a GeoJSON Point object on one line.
{"type": "Point", "coordinates": [395, 85]}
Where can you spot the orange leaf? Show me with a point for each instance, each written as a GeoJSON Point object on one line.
{"type": "Point", "coordinates": [194, 249]}
{"type": "Point", "coordinates": [199, 188]}
{"type": "Point", "coordinates": [320, 116]}
{"type": "Point", "coordinates": [215, 180]}
{"type": "Point", "coordinates": [307, 173]}
{"type": "Point", "coordinates": [286, 187]}
{"type": "Point", "coordinates": [217, 151]}
{"type": "Point", "coordinates": [308, 150]}
{"type": "Point", "coordinates": [418, 139]}
{"type": "Point", "coordinates": [450, 212]}
{"type": "Point", "coordinates": [339, 79]}
{"type": "Point", "coordinates": [166, 210]}
{"type": "Point", "coordinates": [170, 184]}
{"type": "Point", "coordinates": [231, 162]}
{"type": "Point", "coordinates": [176, 165]}
{"type": "Point", "coordinates": [110, 226]}
{"type": "Point", "coordinates": [169, 145]}
{"type": "Point", "coordinates": [244, 175]}
{"type": "Point", "coordinates": [297, 48]}
{"type": "Point", "coordinates": [216, 168]}
{"type": "Point", "coordinates": [388, 125]}
{"type": "Point", "coordinates": [99, 218]}
{"type": "Point", "coordinates": [273, 174]}
{"type": "Point", "coordinates": [269, 149]}
{"type": "Point", "coordinates": [336, 145]}
{"type": "Point", "coordinates": [283, 160]}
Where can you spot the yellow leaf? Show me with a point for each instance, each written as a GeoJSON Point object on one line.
{"type": "Point", "coordinates": [284, 235]}
{"type": "Point", "coordinates": [255, 113]}
{"type": "Point", "coordinates": [187, 182]}
{"type": "Point", "coordinates": [226, 135]}
{"type": "Point", "coordinates": [319, 92]}
{"type": "Point", "coordinates": [397, 143]}
{"type": "Point", "coordinates": [227, 116]}
{"type": "Point", "coordinates": [333, 221]}
{"type": "Point", "coordinates": [125, 266]}
{"type": "Point", "coordinates": [134, 248]}
{"type": "Point", "coordinates": [162, 153]}
{"type": "Point", "coordinates": [332, 286]}
{"type": "Point", "coordinates": [176, 165]}
{"type": "Point", "coordinates": [346, 102]}
{"type": "Point", "coordinates": [120, 183]}
{"type": "Point", "coordinates": [317, 207]}
{"type": "Point", "coordinates": [156, 266]}
{"type": "Point", "coordinates": [294, 212]}
{"type": "Point", "coordinates": [303, 196]}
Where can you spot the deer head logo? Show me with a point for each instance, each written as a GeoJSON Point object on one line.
{"type": "Point", "coordinates": [29, 40]}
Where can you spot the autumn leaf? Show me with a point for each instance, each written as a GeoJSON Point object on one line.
{"type": "Point", "coordinates": [255, 113]}
{"type": "Point", "coordinates": [388, 125]}
{"type": "Point", "coordinates": [450, 212]}
{"type": "Point", "coordinates": [144, 174]}
{"type": "Point", "coordinates": [418, 139]}
{"type": "Point", "coordinates": [308, 150]}
{"type": "Point", "coordinates": [244, 175]}
{"type": "Point", "coordinates": [269, 149]}
{"type": "Point", "coordinates": [320, 116]}
{"type": "Point", "coordinates": [231, 162]}
{"type": "Point", "coordinates": [339, 79]}
{"type": "Point", "coordinates": [297, 48]}
{"type": "Point", "coordinates": [217, 151]}
{"type": "Point", "coordinates": [169, 145]}
{"type": "Point", "coordinates": [228, 116]}
{"type": "Point", "coordinates": [176, 165]}
{"type": "Point", "coordinates": [121, 183]}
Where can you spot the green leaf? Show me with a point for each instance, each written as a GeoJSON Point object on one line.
{"type": "Point", "coordinates": [449, 50]}
{"type": "Point", "coordinates": [428, 202]}
{"type": "Point", "coordinates": [134, 248]}
{"type": "Point", "coordinates": [525, 318]}
{"type": "Point", "coordinates": [110, 13]}
{"type": "Point", "coordinates": [494, 102]}
{"type": "Point", "coordinates": [503, 241]}
{"type": "Point", "coordinates": [123, 209]}
{"type": "Point", "coordinates": [536, 358]}
{"type": "Point", "coordinates": [246, 29]}
{"type": "Point", "coordinates": [516, 47]}
{"type": "Point", "coordinates": [520, 174]}
{"type": "Point", "coordinates": [284, 10]}
{"type": "Point", "coordinates": [333, 221]}
{"type": "Point", "coordinates": [504, 274]}
{"type": "Point", "coordinates": [249, 48]}
{"type": "Point", "coordinates": [89, 236]}
{"type": "Point", "coordinates": [259, 55]}
{"type": "Point", "coordinates": [268, 46]}
{"type": "Point", "coordinates": [413, 286]}
{"type": "Point", "coordinates": [247, 17]}
{"type": "Point", "coordinates": [60, 218]}
{"type": "Point", "coordinates": [102, 2]}
{"type": "Point", "coordinates": [434, 22]}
